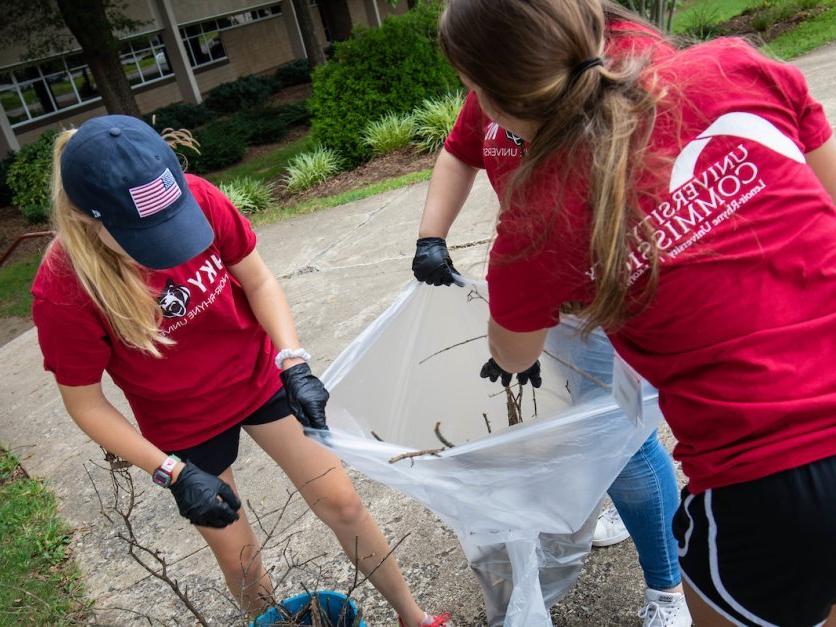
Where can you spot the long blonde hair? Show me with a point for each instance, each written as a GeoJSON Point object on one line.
{"type": "Point", "coordinates": [114, 282]}
{"type": "Point", "coordinates": [524, 56]}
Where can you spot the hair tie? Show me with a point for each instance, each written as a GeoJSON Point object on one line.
{"type": "Point", "coordinates": [582, 67]}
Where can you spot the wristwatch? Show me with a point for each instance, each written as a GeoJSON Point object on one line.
{"type": "Point", "coordinates": [162, 475]}
{"type": "Point", "coordinates": [291, 353]}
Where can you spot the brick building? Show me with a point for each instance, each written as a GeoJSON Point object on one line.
{"type": "Point", "coordinates": [184, 49]}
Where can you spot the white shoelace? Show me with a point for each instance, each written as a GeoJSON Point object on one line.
{"type": "Point", "coordinates": [656, 615]}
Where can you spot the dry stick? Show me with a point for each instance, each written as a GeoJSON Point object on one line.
{"type": "Point", "coordinates": [580, 371]}
{"type": "Point", "coordinates": [534, 400]}
{"type": "Point", "coordinates": [376, 437]}
{"type": "Point", "coordinates": [511, 406]}
{"type": "Point", "coordinates": [151, 620]}
{"type": "Point", "coordinates": [429, 451]}
{"type": "Point", "coordinates": [444, 350]}
{"type": "Point", "coordinates": [487, 422]}
{"type": "Point", "coordinates": [441, 438]}
{"type": "Point", "coordinates": [98, 496]}
{"type": "Point", "coordinates": [134, 546]}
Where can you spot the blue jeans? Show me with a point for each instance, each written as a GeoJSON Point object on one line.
{"type": "Point", "coordinates": [646, 497]}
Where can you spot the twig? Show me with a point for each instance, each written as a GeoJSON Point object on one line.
{"type": "Point", "coordinates": [376, 437]}
{"type": "Point", "coordinates": [98, 496]}
{"type": "Point", "coordinates": [474, 295]}
{"type": "Point", "coordinates": [444, 350]}
{"type": "Point", "coordinates": [441, 438]}
{"type": "Point", "coordinates": [580, 371]}
{"type": "Point", "coordinates": [511, 406]}
{"type": "Point", "coordinates": [430, 451]}
{"type": "Point", "coordinates": [534, 400]}
{"type": "Point", "coordinates": [487, 422]}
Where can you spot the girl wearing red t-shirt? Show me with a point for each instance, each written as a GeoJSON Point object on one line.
{"type": "Point", "coordinates": [154, 278]}
{"type": "Point", "coordinates": [685, 201]}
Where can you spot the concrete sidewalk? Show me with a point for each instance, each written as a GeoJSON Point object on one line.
{"type": "Point", "coordinates": [340, 267]}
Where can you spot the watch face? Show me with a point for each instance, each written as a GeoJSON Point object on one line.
{"type": "Point", "coordinates": [161, 478]}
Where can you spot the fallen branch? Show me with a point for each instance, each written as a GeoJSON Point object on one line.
{"type": "Point", "coordinates": [441, 438]}
{"type": "Point", "coordinates": [430, 451]}
{"type": "Point", "coordinates": [444, 350]}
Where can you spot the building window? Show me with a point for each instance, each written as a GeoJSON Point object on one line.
{"type": "Point", "coordinates": [145, 60]}
{"type": "Point", "coordinates": [35, 91]}
{"type": "Point", "coordinates": [202, 40]}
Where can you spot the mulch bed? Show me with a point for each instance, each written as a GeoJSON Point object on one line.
{"type": "Point", "coordinates": [741, 26]}
{"type": "Point", "coordinates": [388, 166]}
{"type": "Point", "coordinates": [13, 225]}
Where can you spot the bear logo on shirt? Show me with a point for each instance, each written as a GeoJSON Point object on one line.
{"type": "Point", "coordinates": [173, 300]}
{"type": "Point", "coordinates": [518, 141]}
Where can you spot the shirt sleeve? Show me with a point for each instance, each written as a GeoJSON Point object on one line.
{"type": "Point", "coordinates": [465, 139]}
{"type": "Point", "coordinates": [73, 340]}
{"type": "Point", "coordinates": [813, 127]}
{"type": "Point", "coordinates": [536, 264]}
{"type": "Point", "coordinates": [234, 236]}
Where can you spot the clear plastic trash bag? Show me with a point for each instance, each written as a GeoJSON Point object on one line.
{"type": "Point", "coordinates": [523, 500]}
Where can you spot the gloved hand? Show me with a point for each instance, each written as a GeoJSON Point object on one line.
{"type": "Point", "coordinates": [204, 499]}
{"type": "Point", "coordinates": [492, 371]}
{"type": "Point", "coordinates": [306, 396]}
{"type": "Point", "coordinates": [432, 263]}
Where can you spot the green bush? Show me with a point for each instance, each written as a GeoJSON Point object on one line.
{"type": "Point", "coordinates": [261, 125]}
{"type": "Point", "coordinates": [250, 195]}
{"type": "Point", "coordinates": [180, 115]}
{"type": "Point", "coordinates": [435, 118]}
{"type": "Point", "coordinates": [247, 91]}
{"type": "Point", "coordinates": [5, 190]}
{"type": "Point", "coordinates": [222, 143]}
{"type": "Point", "coordinates": [391, 68]}
{"type": "Point", "coordinates": [306, 170]}
{"type": "Point", "coordinates": [389, 133]}
{"type": "Point", "coordinates": [29, 178]}
{"type": "Point", "coordinates": [294, 73]}
{"type": "Point", "coordinates": [295, 114]}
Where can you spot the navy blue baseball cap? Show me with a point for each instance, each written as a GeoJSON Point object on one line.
{"type": "Point", "coordinates": [119, 171]}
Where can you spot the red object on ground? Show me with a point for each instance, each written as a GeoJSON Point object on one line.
{"type": "Point", "coordinates": [23, 237]}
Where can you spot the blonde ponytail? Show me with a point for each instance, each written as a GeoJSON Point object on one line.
{"type": "Point", "coordinates": [114, 282]}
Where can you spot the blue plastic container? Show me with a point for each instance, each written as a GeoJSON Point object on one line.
{"type": "Point", "coordinates": [331, 602]}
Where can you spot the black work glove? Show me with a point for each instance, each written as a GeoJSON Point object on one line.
{"type": "Point", "coordinates": [306, 396]}
{"type": "Point", "coordinates": [204, 499]}
{"type": "Point", "coordinates": [492, 371]}
{"type": "Point", "coordinates": [432, 263]}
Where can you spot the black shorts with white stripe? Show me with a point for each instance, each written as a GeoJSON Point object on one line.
{"type": "Point", "coordinates": [763, 553]}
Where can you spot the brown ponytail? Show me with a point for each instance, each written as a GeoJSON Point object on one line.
{"type": "Point", "coordinates": [523, 56]}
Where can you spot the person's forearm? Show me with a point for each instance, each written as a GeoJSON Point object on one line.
{"type": "Point", "coordinates": [111, 430]}
{"type": "Point", "coordinates": [450, 185]}
{"type": "Point", "coordinates": [823, 163]}
{"type": "Point", "coordinates": [272, 311]}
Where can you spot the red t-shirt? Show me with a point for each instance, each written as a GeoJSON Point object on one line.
{"type": "Point", "coordinates": [220, 369]}
{"type": "Point", "coordinates": [739, 338]}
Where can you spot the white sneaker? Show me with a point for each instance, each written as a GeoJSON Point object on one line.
{"type": "Point", "coordinates": [665, 609]}
{"type": "Point", "coordinates": [609, 529]}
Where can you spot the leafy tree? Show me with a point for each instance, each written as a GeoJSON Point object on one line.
{"type": "Point", "coordinates": [48, 27]}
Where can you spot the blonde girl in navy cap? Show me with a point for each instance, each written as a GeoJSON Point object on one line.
{"type": "Point", "coordinates": [154, 278]}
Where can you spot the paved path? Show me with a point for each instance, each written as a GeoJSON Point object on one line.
{"type": "Point", "coordinates": [340, 267]}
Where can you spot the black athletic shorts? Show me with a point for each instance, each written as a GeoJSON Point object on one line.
{"type": "Point", "coordinates": [217, 454]}
{"type": "Point", "coordinates": [764, 552]}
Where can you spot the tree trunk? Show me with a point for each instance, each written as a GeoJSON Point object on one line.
{"type": "Point", "coordinates": [306, 26]}
{"type": "Point", "coordinates": [337, 18]}
{"type": "Point", "coordinates": [89, 24]}
{"type": "Point", "coordinates": [411, 4]}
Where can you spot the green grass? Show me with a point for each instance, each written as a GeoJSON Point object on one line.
{"type": "Point", "coordinates": [39, 583]}
{"type": "Point", "coordinates": [15, 281]}
{"type": "Point", "coordinates": [805, 37]}
{"type": "Point", "coordinates": [353, 195]}
{"type": "Point", "coordinates": [266, 167]}
{"type": "Point", "coordinates": [719, 10]}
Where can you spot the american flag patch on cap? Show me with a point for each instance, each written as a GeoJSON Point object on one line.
{"type": "Point", "coordinates": [155, 196]}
